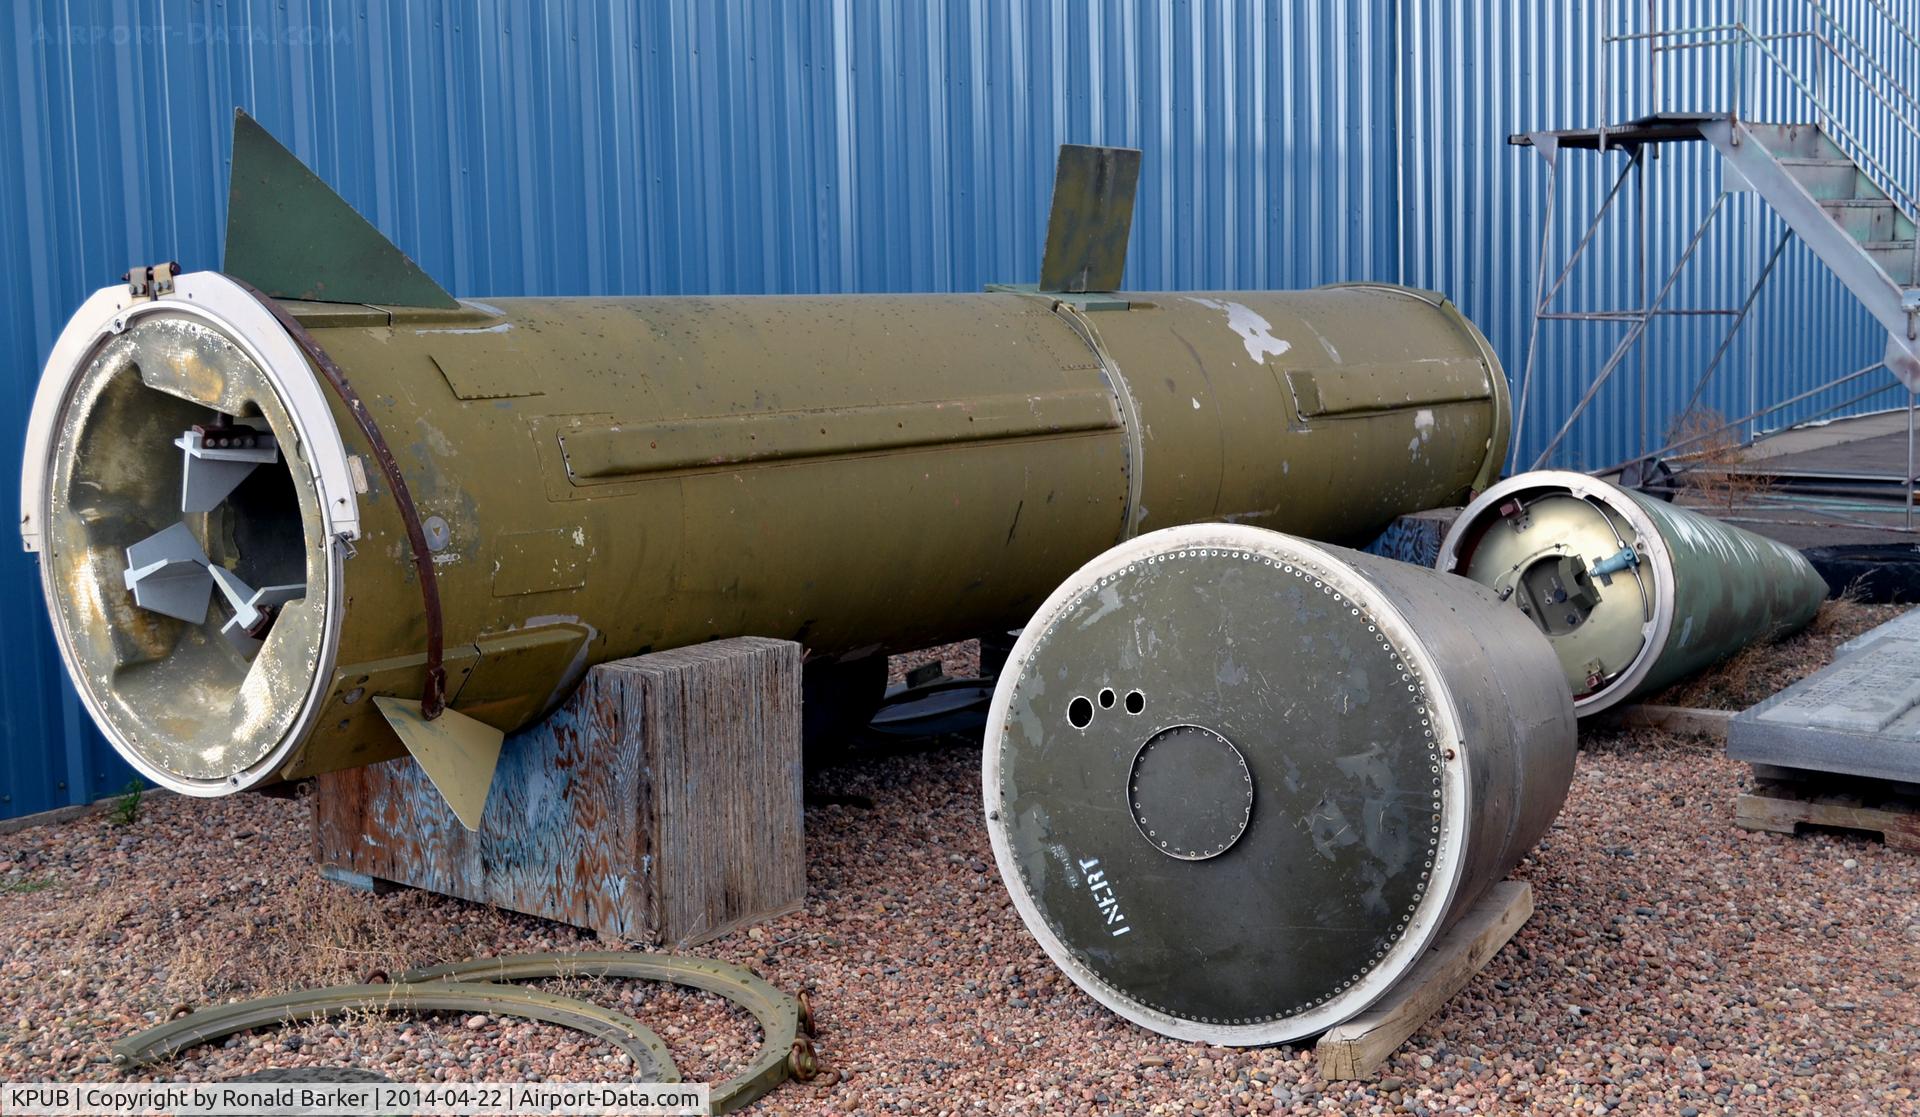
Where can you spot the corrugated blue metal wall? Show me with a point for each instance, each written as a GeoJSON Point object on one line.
{"type": "Point", "coordinates": [680, 146]}
{"type": "Point", "coordinates": [1470, 74]}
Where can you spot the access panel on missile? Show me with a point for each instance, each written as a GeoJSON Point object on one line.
{"type": "Point", "coordinates": [299, 515]}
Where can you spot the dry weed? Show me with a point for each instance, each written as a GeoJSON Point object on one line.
{"type": "Point", "coordinates": [1713, 462]}
{"type": "Point", "coordinates": [1765, 667]}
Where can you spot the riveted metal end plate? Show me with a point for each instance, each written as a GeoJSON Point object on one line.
{"type": "Point", "coordinates": [1222, 784]}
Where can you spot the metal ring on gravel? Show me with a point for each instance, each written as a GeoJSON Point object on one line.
{"type": "Point", "coordinates": [649, 1055]}
{"type": "Point", "coordinates": [777, 1013]}
{"type": "Point", "coordinates": [312, 1074]}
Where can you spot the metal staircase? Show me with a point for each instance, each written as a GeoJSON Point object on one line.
{"type": "Point", "coordinates": [1833, 205]}
{"type": "Point", "coordinates": [1832, 192]}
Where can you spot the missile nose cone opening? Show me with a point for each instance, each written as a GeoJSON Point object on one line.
{"type": "Point", "coordinates": [181, 547]}
{"type": "Point", "coordinates": [1578, 559]}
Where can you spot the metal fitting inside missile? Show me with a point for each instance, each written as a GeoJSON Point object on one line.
{"type": "Point", "coordinates": [1237, 782]}
{"type": "Point", "coordinates": [1634, 593]}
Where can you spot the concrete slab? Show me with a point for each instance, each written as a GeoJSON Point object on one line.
{"type": "Point", "coordinates": [1906, 626]}
{"type": "Point", "coordinates": [1858, 717]}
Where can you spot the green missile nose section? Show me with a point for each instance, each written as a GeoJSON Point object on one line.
{"type": "Point", "coordinates": [1634, 593]}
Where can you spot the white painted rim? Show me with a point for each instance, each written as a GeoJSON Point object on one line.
{"type": "Point", "coordinates": [222, 304]}
{"type": "Point", "coordinates": [1659, 564]}
{"type": "Point", "coordinates": [1423, 926]}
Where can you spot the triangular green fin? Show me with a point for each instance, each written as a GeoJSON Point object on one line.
{"type": "Point", "coordinates": [290, 235]}
{"type": "Point", "coordinates": [457, 752]}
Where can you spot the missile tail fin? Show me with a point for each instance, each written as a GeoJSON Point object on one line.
{"type": "Point", "coordinates": [290, 235]}
{"type": "Point", "coordinates": [457, 752]}
{"type": "Point", "coordinates": [1091, 218]}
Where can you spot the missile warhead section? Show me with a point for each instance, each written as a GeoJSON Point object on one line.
{"type": "Point", "coordinates": [1237, 782]}
{"type": "Point", "coordinates": [313, 512]}
{"type": "Point", "coordinates": [1633, 593]}
{"type": "Point", "coordinates": [159, 478]}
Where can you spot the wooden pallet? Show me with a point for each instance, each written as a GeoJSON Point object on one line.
{"type": "Point", "coordinates": [1356, 1048]}
{"type": "Point", "coordinates": [1783, 806]}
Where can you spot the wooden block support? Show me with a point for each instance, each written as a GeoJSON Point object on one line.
{"type": "Point", "coordinates": [660, 803]}
{"type": "Point", "coordinates": [1782, 807]}
{"type": "Point", "coordinates": [1356, 1048]}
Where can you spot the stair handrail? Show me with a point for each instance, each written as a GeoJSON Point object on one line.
{"type": "Point", "coordinates": [1871, 58]}
{"type": "Point", "coordinates": [1899, 25]}
{"type": "Point", "coordinates": [1884, 179]}
{"type": "Point", "coordinates": [1739, 33]}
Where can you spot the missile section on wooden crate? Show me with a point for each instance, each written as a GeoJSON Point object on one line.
{"type": "Point", "coordinates": [298, 515]}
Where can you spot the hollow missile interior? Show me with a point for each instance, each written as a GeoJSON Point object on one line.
{"type": "Point", "coordinates": [181, 551]}
{"type": "Point", "coordinates": [1577, 568]}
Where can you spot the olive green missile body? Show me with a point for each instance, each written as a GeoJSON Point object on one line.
{"type": "Point", "coordinates": [532, 486]}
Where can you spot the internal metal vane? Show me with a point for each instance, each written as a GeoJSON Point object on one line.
{"type": "Point", "coordinates": [169, 572]}
{"type": "Point", "coordinates": [218, 459]}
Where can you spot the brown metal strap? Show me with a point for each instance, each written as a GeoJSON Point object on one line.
{"type": "Point", "coordinates": [433, 696]}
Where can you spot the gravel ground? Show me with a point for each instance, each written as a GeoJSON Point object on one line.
{"type": "Point", "coordinates": [961, 660]}
{"type": "Point", "coordinates": [1675, 964]}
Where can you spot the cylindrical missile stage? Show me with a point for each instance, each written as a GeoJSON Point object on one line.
{"type": "Point", "coordinates": [1634, 593]}
{"type": "Point", "coordinates": [1237, 782]}
{"type": "Point", "coordinates": [592, 478]}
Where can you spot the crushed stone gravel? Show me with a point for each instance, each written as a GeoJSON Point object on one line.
{"type": "Point", "coordinates": [1675, 964]}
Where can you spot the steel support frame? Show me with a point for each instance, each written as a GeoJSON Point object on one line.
{"type": "Point", "coordinates": [1653, 43]}
{"type": "Point", "coordinates": [1638, 319]}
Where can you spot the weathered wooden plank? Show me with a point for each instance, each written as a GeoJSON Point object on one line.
{"type": "Point", "coordinates": [660, 803]}
{"type": "Point", "coordinates": [1782, 808]}
{"type": "Point", "coordinates": [1356, 1048]}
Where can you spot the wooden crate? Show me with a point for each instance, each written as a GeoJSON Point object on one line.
{"type": "Point", "coordinates": [1783, 806]}
{"type": "Point", "coordinates": [661, 803]}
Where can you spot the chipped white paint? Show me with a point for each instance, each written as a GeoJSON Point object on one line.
{"type": "Point", "coordinates": [501, 328]}
{"type": "Point", "coordinates": [1196, 403]}
{"type": "Point", "coordinates": [1256, 333]}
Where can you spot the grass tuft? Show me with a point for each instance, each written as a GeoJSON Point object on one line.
{"type": "Point", "coordinates": [126, 808]}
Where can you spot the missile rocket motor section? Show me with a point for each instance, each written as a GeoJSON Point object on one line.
{"type": "Point", "coordinates": [297, 516]}
{"type": "Point", "coordinates": [1634, 593]}
{"type": "Point", "coordinates": [1237, 782]}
